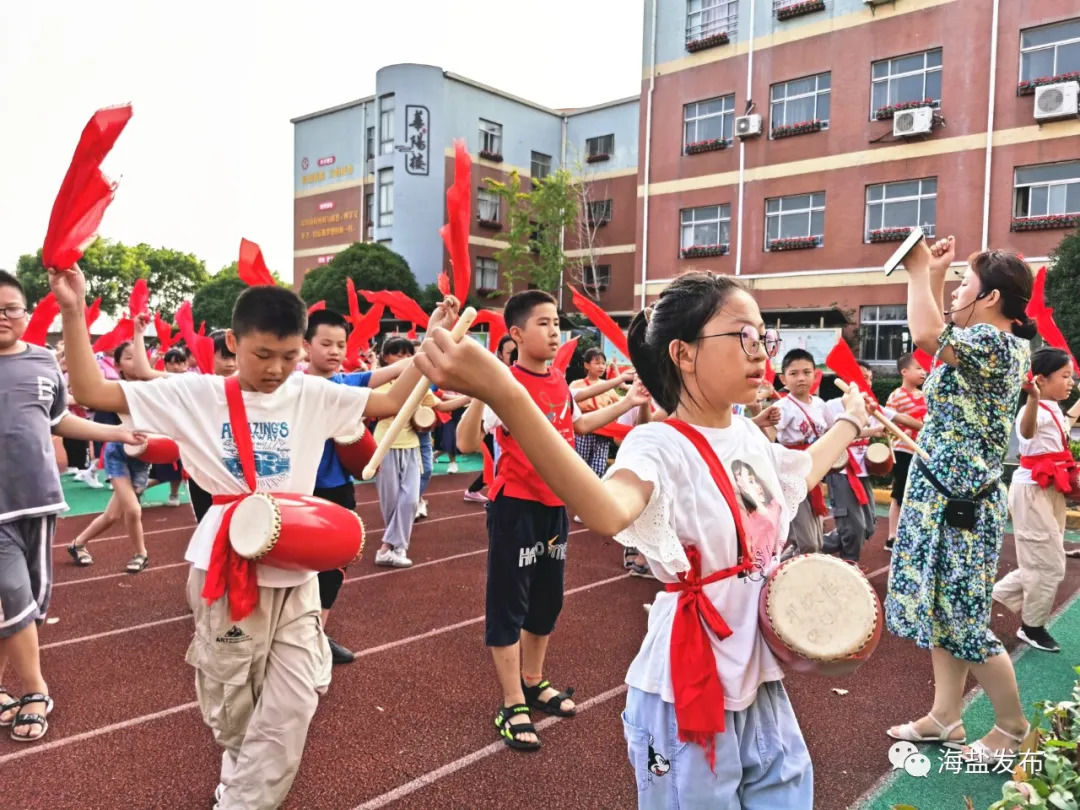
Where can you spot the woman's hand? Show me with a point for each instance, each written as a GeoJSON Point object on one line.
{"type": "Point", "coordinates": [857, 404]}
{"type": "Point", "coordinates": [69, 288]}
{"type": "Point", "coordinates": [463, 366]}
{"type": "Point", "coordinates": [445, 314]}
{"type": "Point", "coordinates": [942, 252]}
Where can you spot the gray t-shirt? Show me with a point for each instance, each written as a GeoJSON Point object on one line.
{"type": "Point", "coordinates": [32, 400]}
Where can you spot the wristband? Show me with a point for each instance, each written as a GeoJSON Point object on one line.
{"type": "Point", "coordinates": [846, 417]}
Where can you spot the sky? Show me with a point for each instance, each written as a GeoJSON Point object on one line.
{"type": "Point", "coordinates": [207, 156]}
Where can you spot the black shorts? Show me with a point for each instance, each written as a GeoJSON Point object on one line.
{"type": "Point", "coordinates": [201, 500]}
{"type": "Point", "coordinates": [330, 581]}
{"type": "Point", "coordinates": [899, 475]}
{"type": "Point", "coordinates": [526, 558]}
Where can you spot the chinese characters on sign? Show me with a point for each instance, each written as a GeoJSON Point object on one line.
{"type": "Point", "coordinates": [326, 225]}
{"type": "Point", "coordinates": [417, 130]}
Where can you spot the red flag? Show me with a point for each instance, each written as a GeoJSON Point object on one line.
{"type": "Point", "coordinates": [770, 373]}
{"type": "Point", "coordinates": [85, 193]}
{"type": "Point", "coordinates": [1043, 316]}
{"type": "Point", "coordinates": [455, 232]}
{"type": "Point", "coordinates": [122, 332]}
{"type": "Point", "coordinates": [602, 321]}
{"type": "Point", "coordinates": [496, 326]}
{"type": "Point", "coordinates": [563, 356]}
{"type": "Point", "coordinates": [354, 304]}
{"type": "Point", "coordinates": [816, 385]}
{"type": "Point", "coordinates": [250, 266]}
{"type": "Point", "coordinates": [139, 299]}
{"type": "Point", "coordinates": [923, 359]}
{"type": "Point", "coordinates": [92, 313]}
{"type": "Point", "coordinates": [37, 331]}
{"type": "Point", "coordinates": [444, 281]}
{"type": "Point", "coordinates": [201, 347]}
{"type": "Point", "coordinates": [364, 329]}
{"type": "Point", "coordinates": [318, 305]}
{"type": "Point", "coordinates": [403, 307]}
{"type": "Point", "coordinates": [202, 328]}
{"type": "Point", "coordinates": [847, 368]}
{"type": "Point", "coordinates": [164, 333]}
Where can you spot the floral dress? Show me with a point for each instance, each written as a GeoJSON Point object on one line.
{"type": "Point", "coordinates": [941, 577]}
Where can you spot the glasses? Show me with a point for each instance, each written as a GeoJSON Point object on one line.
{"type": "Point", "coordinates": [13, 312]}
{"type": "Point", "coordinates": [751, 341]}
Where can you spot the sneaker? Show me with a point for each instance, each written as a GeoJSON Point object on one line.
{"type": "Point", "coordinates": [451, 467]}
{"type": "Point", "coordinates": [89, 477]}
{"type": "Point", "coordinates": [384, 557]}
{"type": "Point", "coordinates": [1038, 638]}
{"type": "Point", "coordinates": [392, 558]}
{"type": "Point", "coordinates": [339, 654]}
{"type": "Point", "coordinates": [889, 544]}
{"type": "Point", "coordinates": [71, 471]}
{"type": "Point", "coordinates": [1073, 552]}
{"type": "Point", "coordinates": [421, 509]}
{"type": "Point", "coordinates": [173, 500]}
{"type": "Point", "coordinates": [219, 791]}
{"type": "Point", "coordinates": [475, 497]}
{"type": "Point", "coordinates": [400, 560]}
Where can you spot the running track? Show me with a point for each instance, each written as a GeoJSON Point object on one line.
{"type": "Point", "coordinates": [409, 724]}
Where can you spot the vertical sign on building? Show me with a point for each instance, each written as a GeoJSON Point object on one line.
{"type": "Point", "coordinates": [417, 131]}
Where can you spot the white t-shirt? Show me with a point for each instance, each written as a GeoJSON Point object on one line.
{"type": "Point", "coordinates": [1047, 438]}
{"type": "Point", "coordinates": [686, 508]}
{"type": "Point", "coordinates": [802, 423]}
{"type": "Point", "coordinates": [835, 407]}
{"type": "Point", "coordinates": [289, 429]}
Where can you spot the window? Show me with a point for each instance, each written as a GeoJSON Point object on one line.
{"type": "Point", "coordinates": [800, 100]}
{"type": "Point", "coordinates": [596, 278]}
{"type": "Point", "coordinates": [1050, 50]}
{"type": "Point", "coordinates": [1052, 188]}
{"type": "Point", "coordinates": [487, 205]}
{"type": "Point", "coordinates": [708, 120]}
{"type": "Point", "coordinates": [490, 138]}
{"type": "Point", "coordinates": [386, 198]}
{"type": "Point", "coordinates": [798, 216]}
{"type": "Point", "coordinates": [901, 205]}
{"type": "Point", "coordinates": [884, 332]}
{"type": "Point", "coordinates": [601, 146]}
{"type": "Point", "coordinates": [906, 78]}
{"type": "Point", "coordinates": [369, 150]}
{"type": "Point", "coordinates": [705, 18]}
{"type": "Point", "coordinates": [386, 125]}
{"type": "Point", "coordinates": [599, 212]}
{"type": "Point", "coordinates": [709, 225]}
{"type": "Point", "coordinates": [487, 274]}
{"type": "Point", "coordinates": [539, 165]}
{"type": "Point", "coordinates": [369, 216]}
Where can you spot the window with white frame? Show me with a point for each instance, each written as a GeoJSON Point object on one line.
{"type": "Point", "coordinates": [487, 274]}
{"type": "Point", "coordinates": [386, 125]}
{"type": "Point", "coordinates": [708, 120]}
{"type": "Point", "coordinates": [884, 332]}
{"type": "Point", "coordinates": [386, 198]}
{"type": "Point", "coordinates": [706, 226]}
{"type": "Point", "coordinates": [1050, 50]}
{"type": "Point", "coordinates": [914, 77]}
{"type": "Point", "coordinates": [599, 211]}
{"type": "Point", "coordinates": [596, 278]}
{"type": "Point", "coordinates": [794, 217]}
{"type": "Point", "coordinates": [369, 151]}
{"type": "Point", "coordinates": [1052, 188]}
{"type": "Point", "coordinates": [903, 204]}
{"type": "Point", "coordinates": [487, 205]}
{"type": "Point", "coordinates": [490, 137]}
{"type": "Point", "coordinates": [369, 216]}
{"type": "Point", "coordinates": [600, 145]}
{"type": "Point", "coordinates": [539, 165]}
{"type": "Point", "coordinates": [706, 18]}
{"type": "Point", "coordinates": [800, 100]}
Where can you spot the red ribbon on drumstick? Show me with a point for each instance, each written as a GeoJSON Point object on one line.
{"type": "Point", "coordinates": [455, 233]}
{"type": "Point", "coordinates": [250, 266]}
{"type": "Point", "coordinates": [563, 356]}
{"type": "Point", "coordinates": [496, 326]}
{"type": "Point", "coordinates": [602, 321]}
{"type": "Point", "coordinates": [45, 312]}
{"type": "Point", "coordinates": [92, 313]}
{"type": "Point", "coordinates": [1043, 316]}
{"type": "Point", "coordinates": [201, 347]}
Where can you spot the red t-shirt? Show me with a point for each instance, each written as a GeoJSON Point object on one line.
{"type": "Point", "coordinates": [515, 475]}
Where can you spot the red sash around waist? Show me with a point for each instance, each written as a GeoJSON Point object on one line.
{"type": "Point", "coordinates": [1050, 468]}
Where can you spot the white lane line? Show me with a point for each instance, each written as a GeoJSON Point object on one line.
{"type": "Point", "coordinates": [124, 536]}
{"type": "Point", "coordinates": [116, 632]}
{"type": "Point", "coordinates": [431, 777]}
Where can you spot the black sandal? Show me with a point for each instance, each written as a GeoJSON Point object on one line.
{"type": "Point", "coordinates": [552, 705]}
{"type": "Point", "coordinates": [7, 706]}
{"type": "Point", "coordinates": [35, 719]}
{"type": "Point", "coordinates": [138, 563]}
{"type": "Point", "coordinates": [80, 555]}
{"type": "Point", "coordinates": [629, 554]}
{"type": "Point", "coordinates": [510, 731]}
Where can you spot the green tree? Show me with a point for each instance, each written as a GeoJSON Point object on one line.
{"type": "Point", "coordinates": [214, 301]}
{"type": "Point", "coordinates": [515, 260]}
{"type": "Point", "coordinates": [371, 267]}
{"type": "Point", "coordinates": [1063, 288]}
{"type": "Point", "coordinates": [172, 276]}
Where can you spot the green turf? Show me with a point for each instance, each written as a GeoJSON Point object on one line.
{"type": "Point", "coordinates": [1041, 676]}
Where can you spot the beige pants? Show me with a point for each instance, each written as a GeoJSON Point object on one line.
{"type": "Point", "coordinates": [258, 682]}
{"type": "Point", "coordinates": [1039, 528]}
{"type": "Point", "coordinates": [805, 534]}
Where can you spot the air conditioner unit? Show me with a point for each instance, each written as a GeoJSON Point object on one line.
{"type": "Point", "coordinates": [747, 126]}
{"type": "Point", "coordinates": [1056, 100]}
{"type": "Point", "coordinates": [916, 121]}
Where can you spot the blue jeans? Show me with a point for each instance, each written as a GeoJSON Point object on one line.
{"type": "Point", "coordinates": [119, 465]}
{"type": "Point", "coordinates": [425, 462]}
{"type": "Point", "coordinates": [761, 757]}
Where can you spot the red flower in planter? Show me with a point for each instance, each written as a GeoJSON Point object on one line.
{"type": "Point", "coordinates": [710, 41]}
{"type": "Point", "coordinates": [1045, 223]}
{"type": "Point", "coordinates": [702, 251]}
{"type": "Point", "coordinates": [794, 243]}
{"type": "Point", "coordinates": [888, 110]}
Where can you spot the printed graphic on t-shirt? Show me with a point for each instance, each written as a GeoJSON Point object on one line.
{"type": "Point", "coordinates": [555, 412]}
{"type": "Point", "coordinates": [271, 449]}
{"type": "Point", "coordinates": [760, 509]}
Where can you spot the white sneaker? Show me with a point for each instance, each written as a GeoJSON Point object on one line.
{"type": "Point", "coordinates": [71, 471]}
{"type": "Point", "coordinates": [384, 557]}
{"type": "Point", "coordinates": [400, 560]}
{"type": "Point", "coordinates": [89, 477]}
{"type": "Point", "coordinates": [421, 509]}
{"type": "Point", "coordinates": [173, 500]}
{"type": "Point", "coordinates": [451, 467]}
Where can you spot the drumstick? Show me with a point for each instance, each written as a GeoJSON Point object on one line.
{"type": "Point", "coordinates": [413, 402]}
{"type": "Point", "coordinates": [888, 423]}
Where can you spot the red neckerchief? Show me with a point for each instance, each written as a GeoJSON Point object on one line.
{"type": "Point", "coordinates": [1052, 468]}
{"type": "Point", "coordinates": [699, 694]}
{"type": "Point", "coordinates": [228, 572]}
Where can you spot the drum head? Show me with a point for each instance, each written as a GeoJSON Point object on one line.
{"type": "Point", "coordinates": [352, 438]}
{"type": "Point", "coordinates": [255, 526]}
{"type": "Point", "coordinates": [878, 453]}
{"type": "Point", "coordinates": [821, 607]}
{"type": "Point", "coordinates": [135, 450]}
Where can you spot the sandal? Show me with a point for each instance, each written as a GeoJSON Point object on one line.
{"type": "Point", "coordinates": [552, 705]}
{"type": "Point", "coordinates": [7, 703]}
{"type": "Point", "coordinates": [629, 553]}
{"type": "Point", "coordinates": [80, 555]}
{"type": "Point", "coordinates": [510, 731]}
{"type": "Point", "coordinates": [138, 563]}
{"type": "Point", "coordinates": [38, 720]}
{"type": "Point", "coordinates": [908, 733]}
{"type": "Point", "coordinates": [642, 571]}
{"type": "Point", "coordinates": [980, 752]}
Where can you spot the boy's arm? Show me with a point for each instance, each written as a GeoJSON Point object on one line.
{"type": "Point", "coordinates": [602, 387]}
{"type": "Point", "coordinates": [143, 369]}
{"type": "Point", "coordinates": [383, 375]}
{"type": "Point", "coordinates": [470, 432]}
{"type": "Point", "coordinates": [907, 421]}
{"type": "Point", "coordinates": [587, 423]}
{"type": "Point", "coordinates": [450, 405]}
{"type": "Point", "coordinates": [75, 427]}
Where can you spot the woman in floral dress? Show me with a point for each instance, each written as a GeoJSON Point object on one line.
{"type": "Point", "coordinates": [942, 577]}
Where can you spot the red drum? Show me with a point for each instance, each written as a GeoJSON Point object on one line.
{"type": "Point", "coordinates": [879, 459]}
{"type": "Point", "coordinates": [155, 450]}
{"type": "Point", "coordinates": [423, 419]}
{"type": "Point", "coordinates": [354, 452]}
{"type": "Point", "coordinates": [296, 532]}
{"type": "Point", "coordinates": [820, 614]}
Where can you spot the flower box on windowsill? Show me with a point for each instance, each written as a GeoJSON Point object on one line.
{"type": "Point", "coordinates": [1045, 223]}
{"type": "Point", "coordinates": [794, 243]}
{"type": "Point", "coordinates": [598, 157]}
{"type": "Point", "coordinates": [494, 157]}
{"type": "Point", "coordinates": [490, 224]}
{"type": "Point", "coordinates": [887, 112]}
{"type": "Point", "coordinates": [889, 234]}
{"type": "Point", "coordinates": [710, 41]}
{"type": "Point", "coordinates": [1027, 88]}
{"type": "Point", "coordinates": [801, 128]}
{"type": "Point", "coordinates": [798, 9]}
{"type": "Point", "coordinates": [703, 251]}
{"type": "Point", "coordinates": [710, 145]}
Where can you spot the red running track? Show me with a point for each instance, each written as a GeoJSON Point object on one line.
{"type": "Point", "coordinates": [409, 724]}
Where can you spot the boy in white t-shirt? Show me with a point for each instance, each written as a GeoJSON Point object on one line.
{"type": "Point", "coordinates": [258, 713]}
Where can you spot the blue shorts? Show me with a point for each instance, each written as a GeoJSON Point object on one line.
{"type": "Point", "coordinates": [119, 464]}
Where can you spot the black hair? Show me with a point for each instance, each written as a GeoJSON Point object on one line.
{"type": "Point", "coordinates": [502, 342]}
{"type": "Point", "coordinates": [865, 365]}
{"type": "Point", "coordinates": [592, 354]}
{"type": "Point", "coordinates": [175, 356]}
{"type": "Point", "coordinates": [797, 354]}
{"type": "Point", "coordinates": [275, 310]}
{"type": "Point", "coordinates": [118, 352]}
{"type": "Point", "coordinates": [396, 344]}
{"type": "Point", "coordinates": [680, 313]}
{"type": "Point", "coordinates": [1009, 275]}
{"type": "Point", "coordinates": [906, 360]}
{"type": "Point", "coordinates": [520, 306]}
{"type": "Point", "coordinates": [221, 346]}
{"type": "Point", "coordinates": [324, 317]}
{"type": "Point", "coordinates": [8, 280]}
{"type": "Point", "coordinates": [1046, 361]}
